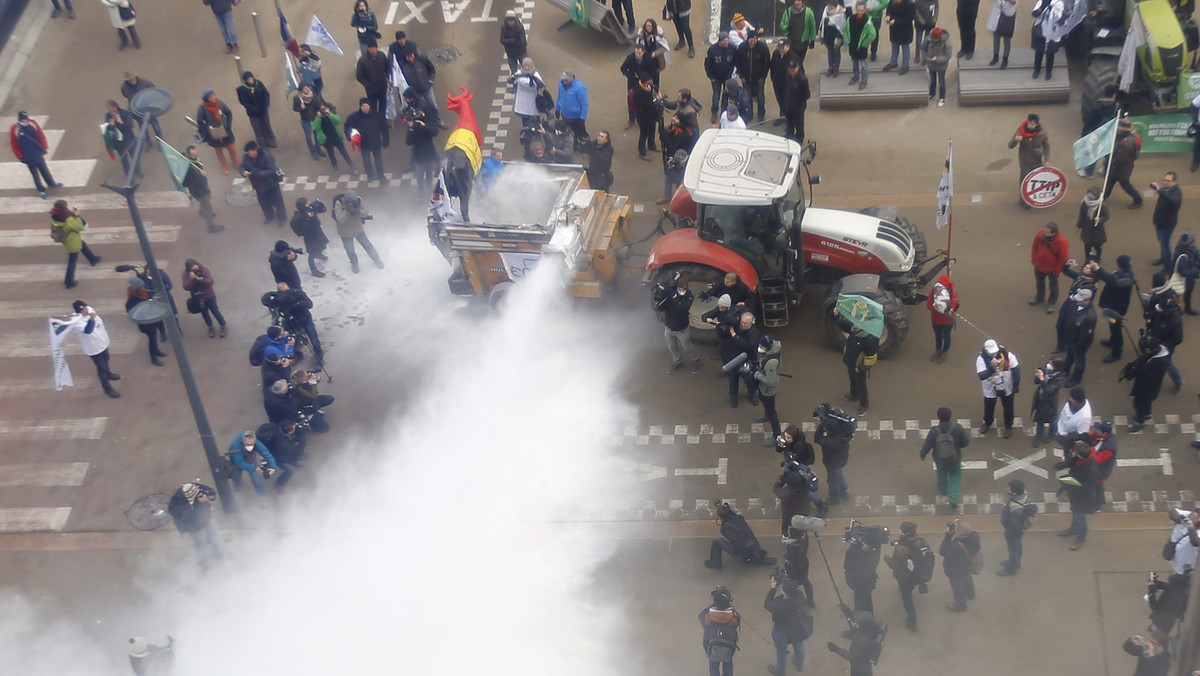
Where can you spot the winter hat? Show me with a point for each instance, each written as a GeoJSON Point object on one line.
{"type": "Point", "coordinates": [723, 35]}
{"type": "Point", "coordinates": [724, 301]}
{"type": "Point", "coordinates": [794, 480]}
{"type": "Point", "coordinates": [731, 84]}
{"type": "Point", "coordinates": [990, 346]}
{"type": "Point", "coordinates": [1082, 295]}
{"type": "Point", "coordinates": [943, 414]}
{"type": "Point", "coordinates": [568, 74]}
{"type": "Point", "coordinates": [139, 647]}
{"type": "Point", "coordinates": [908, 527]}
{"type": "Point", "coordinates": [246, 75]}
{"type": "Point", "coordinates": [207, 93]}
{"type": "Point", "coordinates": [510, 14]}
{"type": "Point", "coordinates": [737, 17]}
{"type": "Point", "coordinates": [274, 332]}
{"type": "Point", "coordinates": [732, 110]}
{"type": "Point", "coordinates": [527, 62]}
{"type": "Point", "coordinates": [1123, 261]}
{"type": "Point", "coordinates": [191, 492]}
{"type": "Point", "coordinates": [765, 342]}
{"type": "Point", "coordinates": [280, 387]}
{"type": "Point", "coordinates": [136, 283]}
{"type": "Point", "coordinates": [1103, 427]}
{"type": "Point", "coordinates": [363, 100]}
{"type": "Point", "coordinates": [281, 246]}
{"type": "Point", "coordinates": [936, 34]}
{"type": "Point", "coordinates": [250, 145]}
{"type": "Point", "coordinates": [129, 74]}
{"type": "Point", "coordinates": [22, 116]}
{"type": "Point", "coordinates": [372, 43]}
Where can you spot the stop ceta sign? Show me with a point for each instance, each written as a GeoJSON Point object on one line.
{"type": "Point", "coordinates": [1043, 187]}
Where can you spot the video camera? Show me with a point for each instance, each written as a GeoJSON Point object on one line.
{"type": "Point", "coordinates": [872, 536]}
{"type": "Point", "coordinates": [835, 420]}
{"type": "Point", "coordinates": [317, 206]}
{"type": "Point", "coordinates": [664, 289]}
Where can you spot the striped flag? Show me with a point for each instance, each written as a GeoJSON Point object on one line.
{"type": "Point", "coordinates": [285, 32]}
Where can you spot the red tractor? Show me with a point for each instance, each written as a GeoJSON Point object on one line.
{"type": "Point", "coordinates": [744, 198]}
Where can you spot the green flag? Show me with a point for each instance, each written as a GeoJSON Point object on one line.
{"type": "Point", "coordinates": [863, 312]}
{"type": "Point", "coordinates": [289, 71]}
{"type": "Point", "coordinates": [177, 165]}
{"type": "Point", "coordinates": [579, 12]}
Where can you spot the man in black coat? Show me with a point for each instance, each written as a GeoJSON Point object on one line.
{"type": "Point", "coordinates": [781, 62]}
{"type": "Point", "coordinates": [636, 64]}
{"type": "Point", "coordinates": [512, 36]}
{"type": "Point", "coordinates": [859, 653]}
{"type": "Point", "coordinates": [255, 98]}
{"type": "Point", "coordinates": [790, 623]}
{"type": "Point", "coordinates": [719, 63]}
{"type": "Point", "coordinates": [860, 566]}
{"type": "Point", "coordinates": [675, 302]}
{"type": "Point", "coordinates": [258, 166]}
{"type": "Point", "coordinates": [796, 103]}
{"type": "Point", "coordinates": [278, 402]}
{"type": "Point", "coordinates": [1147, 373]}
{"type": "Point", "coordinates": [1118, 290]}
{"type": "Point", "coordinates": [296, 308]}
{"type": "Point", "coordinates": [422, 128]}
{"type": "Point", "coordinates": [307, 224]}
{"type": "Point", "coordinates": [131, 86]}
{"type": "Point", "coordinates": [419, 72]}
{"type": "Point", "coordinates": [833, 436]}
{"type": "Point", "coordinates": [275, 367]}
{"type": "Point", "coordinates": [743, 339]}
{"type": "Point", "coordinates": [859, 355]}
{"type": "Point", "coordinates": [737, 539]}
{"type": "Point", "coordinates": [283, 264]}
{"type": "Point", "coordinates": [286, 442]}
{"type": "Point", "coordinates": [121, 121]}
{"type": "Point", "coordinates": [1166, 214]}
{"type": "Point", "coordinates": [1078, 333]}
{"type": "Point", "coordinates": [196, 183]}
{"type": "Point", "coordinates": [960, 545]}
{"type": "Point", "coordinates": [372, 136]}
{"type": "Point", "coordinates": [191, 509]}
{"type": "Point", "coordinates": [373, 72]}
{"type": "Point", "coordinates": [1083, 476]}
{"type": "Point", "coordinates": [753, 66]}
{"type": "Point", "coordinates": [1164, 320]}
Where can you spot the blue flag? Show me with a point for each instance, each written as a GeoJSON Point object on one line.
{"type": "Point", "coordinates": [1098, 144]}
{"type": "Point", "coordinates": [319, 36]}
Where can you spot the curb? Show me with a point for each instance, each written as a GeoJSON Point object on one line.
{"type": "Point", "coordinates": [18, 51]}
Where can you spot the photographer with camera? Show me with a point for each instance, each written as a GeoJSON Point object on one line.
{"type": "Point", "coordinates": [191, 509]}
{"type": "Point", "coordinates": [791, 623]}
{"type": "Point", "coordinates": [294, 306]}
{"type": "Point", "coordinates": [306, 223]}
{"type": "Point", "coordinates": [1016, 518]}
{"type": "Point", "coordinates": [675, 302]}
{"type": "Point", "coordinates": [1184, 543]}
{"type": "Point", "coordinates": [766, 379]}
{"type": "Point", "coordinates": [283, 264]}
{"type": "Point", "coordinates": [648, 111]}
{"type": "Point", "coordinates": [834, 432]}
{"type": "Point", "coordinates": [275, 367]}
{"type": "Point", "coordinates": [265, 176]}
{"type": "Point", "coordinates": [677, 140]}
{"type": "Point", "coordinates": [794, 490]}
{"type": "Point", "coordinates": [741, 343]}
{"type": "Point", "coordinates": [720, 622]}
{"type": "Point", "coordinates": [286, 441]}
{"type": "Point", "coordinates": [136, 294]}
{"type": "Point", "coordinates": [737, 539]}
{"type": "Point", "coordinates": [198, 281]}
{"type": "Point", "coordinates": [739, 293]}
{"type": "Point", "coordinates": [911, 562]}
{"type": "Point", "coordinates": [961, 559]}
{"type": "Point", "coordinates": [248, 454]}
{"type": "Point", "coordinates": [862, 563]}
{"type": "Point", "coordinates": [866, 640]}
{"type": "Point", "coordinates": [278, 402]}
{"type": "Point", "coordinates": [422, 127]}
{"type": "Point", "coordinates": [309, 401]}
{"type": "Point", "coordinates": [535, 139]}
{"type": "Point", "coordinates": [999, 373]}
{"type": "Point", "coordinates": [946, 441]}
{"type": "Point", "coordinates": [349, 214]}
{"type": "Point", "coordinates": [1168, 600]}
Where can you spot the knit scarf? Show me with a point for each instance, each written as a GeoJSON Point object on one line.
{"type": "Point", "coordinates": [214, 107]}
{"type": "Point", "coordinates": [306, 100]}
{"type": "Point", "coordinates": [1093, 206]}
{"type": "Point", "coordinates": [1026, 132]}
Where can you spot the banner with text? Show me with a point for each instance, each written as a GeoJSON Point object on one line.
{"type": "Point", "coordinates": [1166, 133]}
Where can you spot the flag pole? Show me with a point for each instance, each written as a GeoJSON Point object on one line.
{"type": "Point", "coordinates": [1108, 162]}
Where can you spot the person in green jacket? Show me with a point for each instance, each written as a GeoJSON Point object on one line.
{"type": "Point", "coordinates": [327, 130]}
{"type": "Point", "coordinates": [860, 33]}
{"type": "Point", "coordinates": [72, 225]}
{"type": "Point", "coordinates": [799, 25]}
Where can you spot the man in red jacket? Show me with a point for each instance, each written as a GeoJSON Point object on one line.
{"type": "Point", "coordinates": [30, 146]}
{"type": "Point", "coordinates": [1048, 255]}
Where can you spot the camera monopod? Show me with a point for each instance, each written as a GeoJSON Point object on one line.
{"type": "Point", "coordinates": [813, 525]}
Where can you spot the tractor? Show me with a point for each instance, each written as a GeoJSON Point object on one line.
{"type": "Point", "coordinates": [744, 193]}
{"type": "Point", "coordinates": [1171, 39]}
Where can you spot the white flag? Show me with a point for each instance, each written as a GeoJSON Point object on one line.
{"type": "Point", "coordinates": [318, 36]}
{"type": "Point", "coordinates": [58, 358]}
{"type": "Point", "coordinates": [945, 190]}
{"type": "Point", "coordinates": [1134, 38]}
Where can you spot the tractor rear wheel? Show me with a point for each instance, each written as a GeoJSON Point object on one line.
{"type": "Point", "coordinates": [895, 321]}
{"type": "Point", "coordinates": [1101, 72]}
{"type": "Point", "coordinates": [699, 277]}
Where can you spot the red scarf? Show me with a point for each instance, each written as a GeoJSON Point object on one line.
{"type": "Point", "coordinates": [1025, 132]}
{"type": "Point", "coordinates": [214, 107]}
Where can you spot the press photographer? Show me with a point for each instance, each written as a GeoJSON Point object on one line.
{"type": "Point", "coordinates": [422, 127]}
{"type": "Point", "coordinates": [674, 301]}
{"type": "Point", "coordinates": [306, 223]}
{"type": "Point", "coordinates": [863, 544]}
{"type": "Point", "coordinates": [291, 309]}
{"type": "Point", "coordinates": [737, 539]}
{"type": "Point", "coordinates": [834, 432]}
{"type": "Point", "coordinates": [350, 214]}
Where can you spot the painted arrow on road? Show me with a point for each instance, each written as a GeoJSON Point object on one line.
{"type": "Point", "coordinates": [721, 471]}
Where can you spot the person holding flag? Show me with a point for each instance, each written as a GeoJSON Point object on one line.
{"type": "Point", "coordinates": [89, 326]}
{"type": "Point", "coordinates": [861, 319]}
{"type": "Point", "coordinates": [195, 181]}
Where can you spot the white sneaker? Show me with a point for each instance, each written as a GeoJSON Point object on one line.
{"type": "Point", "coordinates": [941, 102]}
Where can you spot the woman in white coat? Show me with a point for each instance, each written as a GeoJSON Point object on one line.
{"type": "Point", "coordinates": [123, 18]}
{"type": "Point", "coordinates": [528, 84]}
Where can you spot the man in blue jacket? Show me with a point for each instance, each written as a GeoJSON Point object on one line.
{"type": "Point", "coordinates": [573, 103]}
{"type": "Point", "coordinates": [247, 453]}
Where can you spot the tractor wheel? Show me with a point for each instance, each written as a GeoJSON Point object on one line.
{"type": "Point", "coordinates": [920, 248]}
{"type": "Point", "coordinates": [498, 296]}
{"type": "Point", "coordinates": [895, 321]}
{"type": "Point", "coordinates": [699, 277]}
{"type": "Point", "coordinates": [1101, 72]}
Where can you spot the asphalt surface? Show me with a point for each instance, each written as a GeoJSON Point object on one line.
{"type": "Point", "coordinates": [386, 331]}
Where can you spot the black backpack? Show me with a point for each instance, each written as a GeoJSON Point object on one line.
{"type": "Point", "coordinates": [924, 562]}
{"type": "Point", "coordinates": [944, 447]}
{"type": "Point", "coordinates": [721, 642]}
{"type": "Point", "coordinates": [257, 349]}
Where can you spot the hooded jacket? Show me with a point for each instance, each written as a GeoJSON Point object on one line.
{"type": "Point", "coordinates": [282, 269]}
{"type": "Point", "coordinates": [943, 295]}
{"type": "Point", "coordinates": [800, 27]}
{"type": "Point", "coordinates": [1048, 255]}
{"type": "Point", "coordinates": [349, 220]}
{"type": "Point", "coordinates": [572, 100]}
{"type": "Point", "coordinates": [937, 52]}
{"type": "Point", "coordinates": [767, 375]}
{"type": "Point", "coordinates": [420, 73]}
{"type": "Point", "coordinates": [904, 550]}
{"type": "Point", "coordinates": [1012, 517]}
{"type": "Point", "coordinates": [512, 36]}
{"type": "Point", "coordinates": [860, 565]}
{"type": "Point", "coordinates": [254, 98]}
{"type": "Point", "coordinates": [794, 496]}
{"type": "Point", "coordinates": [264, 173]}
{"type": "Point", "coordinates": [248, 462]}
{"type": "Point", "coordinates": [957, 552]}
{"type": "Point", "coordinates": [72, 226]}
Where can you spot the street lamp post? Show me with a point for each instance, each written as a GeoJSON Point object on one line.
{"type": "Point", "coordinates": [147, 105]}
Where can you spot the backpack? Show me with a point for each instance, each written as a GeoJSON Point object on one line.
{"type": "Point", "coordinates": [57, 233]}
{"type": "Point", "coordinates": [803, 627]}
{"type": "Point", "coordinates": [544, 102]}
{"type": "Point", "coordinates": [1029, 516]}
{"type": "Point", "coordinates": [875, 649]}
{"type": "Point", "coordinates": [944, 447]}
{"type": "Point", "coordinates": [924, 561]}
{"type": "Point", "coordinates": [721, 642]}
{"type": "Point", "coordinates": [257, 350]}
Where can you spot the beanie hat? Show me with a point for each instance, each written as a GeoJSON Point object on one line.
{"type": "Point", "coordinates": [725, 300]}
{"type": "Point", "coordinates": [510, 14]}
{"type": "Point", "coordinates": [22, 116]}
{"type": "Point", "coordinates": [363, 100]}
{"type": "Point", "coordinates": [191, 492]}
{"type": "Point", "coordinates": [246, 75]}
{"type": "Point", "coordinates": [936, 34]}
{"type": "Point", "coordinates": [1103, 427]}
{"type": "Point", "coordinates": [250, 145]}
{"type": "Point", "coordinates": [281, 246]}
{"type": "Point", "coordinates": [737, 16]}
{"type": "Point", "coordinates": [136, 283]}
{"type": "Point", "coordinates": [908, 527]}
{"type": "Point", "coordinates": [963, 528]}
{"type": "Point", "coordinates": [207, 93]}
{"type": "Point", "coordinates": [943, 414]}
{"type": "Point", "coordinates": [766, 342]}
{"type": "Point", "coordinates": [723, 35]}
{"type": "Point", "coordinates": [274, 332]}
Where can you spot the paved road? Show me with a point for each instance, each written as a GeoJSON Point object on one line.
{"type": "Point", "coordinates": [450, 423]}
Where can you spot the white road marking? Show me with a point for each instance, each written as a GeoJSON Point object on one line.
{"type": "Point", "coordinates": [1163, 460]}
{"type": "Point", "coordinates": [416, 12]}
{"type": "Point", "coordinates": [1013, 464]}
{"type": "Point", "coordinates": [486, 14]}
{"type": "Point", "coordinates": [44, 474]}
{"type": "Point", "coordinates": [22, 309]}
{"type": "Point", "coordinates": [32, 204]}
{"type": "Point", "coordinates": [69, 428]}
{"type": "Point", "coordinates": [452, 10]}
{"type": "Point", "coordinates": [93, 236]}
{"type": "Point", "coordinates": [13, 274]}
{"type": "Point", "coordinates": [721, 471]}
{"type": "Point", "coordinates": [33, 519]}
{"type": "Point", "coordinates": [71, 173]}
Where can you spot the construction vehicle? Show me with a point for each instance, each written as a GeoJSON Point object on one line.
{"type": "Point", "coordinates": [744, 192]}
{"type": "Point", "coordinates": [527, 213]}
{"type": "Point", "coordinates": [1171, 38]}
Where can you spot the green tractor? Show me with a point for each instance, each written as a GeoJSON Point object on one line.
{"type": "Point", "coordinates": [1171, 39]}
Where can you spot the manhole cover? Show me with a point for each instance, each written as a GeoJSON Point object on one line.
{"type": "Point", "coordinates": [241, 195]}
{"type": "Point", "coordinates": [150, 512]}
{"type": "Point", "coordinates": [442, 55]}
